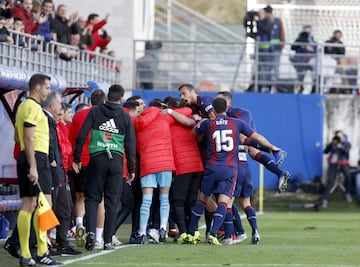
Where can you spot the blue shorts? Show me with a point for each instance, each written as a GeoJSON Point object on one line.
{"type": "Point", "coordinates": [244, 186]}
{"type": "Point", "coordinates": [220, 179]}
{"type": "Point", "coordinates": [161, 179]}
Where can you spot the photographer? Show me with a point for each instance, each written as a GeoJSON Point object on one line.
{"type": "Point", "coordinates": [338, 160]}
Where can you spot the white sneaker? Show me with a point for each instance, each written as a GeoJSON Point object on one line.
{"type": "Point", "coordinates": [115, 241]}
{"type": "Point", "coordinates": [324, 204]}
{"type": "Point", "coordinates": [227, 241]}
{"type": "Point", "coordinates": [99, 244]}
{"type": "Point", "coordinates": [240, 238]}
{"type": "Point", "coordinates": [153, 234]}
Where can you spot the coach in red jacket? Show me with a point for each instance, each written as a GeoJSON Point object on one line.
{"type": "Point", "coordinates": [188, 164]}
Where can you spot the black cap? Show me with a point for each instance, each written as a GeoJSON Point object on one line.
{"type": "Point", "coordinates": [268, 9]}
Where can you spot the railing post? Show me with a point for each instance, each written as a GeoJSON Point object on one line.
{"type": "Point", "coordinates": [256, 69]}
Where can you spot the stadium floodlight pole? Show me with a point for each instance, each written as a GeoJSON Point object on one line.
{"type": "Point", "coordinates": [261, 188]}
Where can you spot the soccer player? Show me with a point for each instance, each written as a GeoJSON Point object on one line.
{"type": "Point", "coordinates": [222, 136]}
{"type": "Point", "coordinates": [33, 167]}
{"type": "Point", "coordinates": [244, 188]}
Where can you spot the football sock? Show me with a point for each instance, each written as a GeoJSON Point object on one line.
{"type": "Point", "coordinates": [23, 225]}
{"type": "Point", "coordinates": [99, 234]}
{"type": "Point", "coordinates": [208, 220]}
{"type": "Point", "coordinates": [268, 163]}
{"type": "Point", "coordinates": [228, 224]}
{"type": "Point", "coordinates": [164, 210]}
{"type": "Point", "coordinates": [218, 218]}
{"type": "Point", "coordinates": [79, 221]}
{"type": "Point", "coordinates": [144, 213]}
{"type": "Point", "coordinates": [41, 236]}
{"type": "Point", "coordinates": [197, 211]}
{"type": "Point", "coordinates": [251, 142]}
{"type": "Point", "coordinates": [238, 227]}
{"type": "Point", "coordinates": [251, 216]}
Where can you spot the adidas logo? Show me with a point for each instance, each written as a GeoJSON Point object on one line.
{"type": "Point", "coordinates": [109, 126]}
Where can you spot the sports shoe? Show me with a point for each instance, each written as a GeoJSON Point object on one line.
{"type": "Point", "coordinates": [80, 236]}
{"type": "Point", "coordinates": [280, 157]}
{"type": "Point", "coordinates": [153, 234]}
{"type": "Point", "coordinates": [227, 241]}
{"type": "Point", "coordinates": [283, 181]}
{"type": "Point", "coordinates": [173, 233]}
{"type": "Point", "coordinates": [109, 246]}
{"type": "Point", "coordinates": [90, 241]}
{"type": "Point", "coordinates": [348, 198]}
{"type": "Point", "coordinates": [212, 240]}
{"type": "Point", "coordinates": [67, 251]}
{"type": "Point", "coordinates": [220, 235]}
{"type": "Point", "coordinates": [27, 262]}
{"type": "Point", "coordinates": [71, 234]}
{"type": "Point", "coordinates": [115, 241]}
{"type": "Point", "coordinates": [182, 239]}
{"type": "Point", "coordinates": [138, 239]}
{"type": "Point", "coordinates": [47, 259]}
{"type": "Point", "coordinates": [99, 244]}
{"type": "Point", "coordinates": [162, 235]}
{"type": "Point", "coordinates": [324, 203]}
{"type": "Point", "coordinates": [240, 238]}
{"type": "Point", "coordinates": [11, 249]}
{"type": "Point", "coordinates": [255, 239]}
{"type": "Point", "coordinates": [193, 239]}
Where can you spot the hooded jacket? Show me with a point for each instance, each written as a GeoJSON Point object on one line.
{"type": "Point", "coordinates": [112, 128]}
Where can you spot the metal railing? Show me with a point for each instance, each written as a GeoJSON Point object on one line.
{"type": "Point", "coordinates": [29, 52]}
{"type": "Point", "coordinates": [176, 21]}
{"type": "Point", "coordinates": [244, 67]}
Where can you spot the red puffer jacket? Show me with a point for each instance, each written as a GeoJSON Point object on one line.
{"type": "Point", "coordinates": [185, 148]}
{"type": "Point", "coordinates": [74, 129]}
{"type": "Point", "coordinates": [65, 145]}
{"type": "Point", "coordinates": [154, 142]}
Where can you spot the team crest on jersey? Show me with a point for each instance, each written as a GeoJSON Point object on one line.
{"type": "Point", "coordinates": [109, 126]}
{"type": "Point", "coordinates": [107, 137]}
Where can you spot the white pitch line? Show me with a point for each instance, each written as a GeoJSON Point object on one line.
{"type": "Point", "coordinates": [87, 257]}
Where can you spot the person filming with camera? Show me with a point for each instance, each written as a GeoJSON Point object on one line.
{"type": "Point", "coordinates": [338, 160]}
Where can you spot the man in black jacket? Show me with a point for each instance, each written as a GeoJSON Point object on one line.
{"type": "Point", "coordinates": [112, 133]}
{"type": "Point", "coordinates": [61, 196]}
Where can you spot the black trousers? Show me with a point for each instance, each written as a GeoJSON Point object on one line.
{"type": "Point", "coordinates": [333, 171]}
{"type": "Point", "coordinates": [185, 190]}
{"type": "Point", "coordinates": [104, 178]}
{"type": "Point", "coordinates": [62, 205]}
{"type": "Point", "coordinates": [127, 205]}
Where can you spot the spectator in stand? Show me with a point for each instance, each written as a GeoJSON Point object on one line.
{"type": "Point", "coordinates": [271, 34]}
{"type": "Point", "coordinates": [66, 31]}
{"type": "Point", "coordinates": [23, 11]}
{"type": "Point", "coordinates": [100, 40]}
{"type": "Point", "coordinates": [18, 26]}
{"type": "Point", "coordinates": [112, 53]}
{"type": "Point", "coordinates": [4, 32]}
{"type": "Point", "coordinates": [85, 31]}
{"type": "Point", "coordinates": [305, 49]}
{"type": "Point", "coordinates": [5, 9]}
{"type": "Point", "coordinates": [47, 9]}
{"type": "Point", "coordinates": [338, 50]}
{"type": "Point", "coordinates": [64, 27]}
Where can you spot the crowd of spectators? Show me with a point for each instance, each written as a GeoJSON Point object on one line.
{"type": "Point", "coordinates": [47, 23]}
